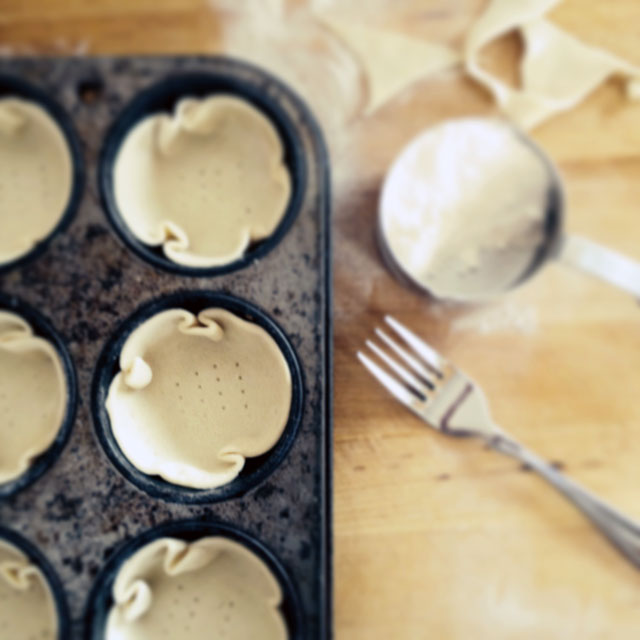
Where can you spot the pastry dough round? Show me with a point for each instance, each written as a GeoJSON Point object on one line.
{"type": "Point", "coordinates": [27, 606]}
{"type": "Point", "coordinates": [36, 176]}
{"type": "Point", "coordinates": [211, 588]}
{"type": "Point", "coordinates": [204, 182]}
{"type": "Point", "coordinates": [33, 395]}
{"type": "Point", "coordinates": [196, 395]}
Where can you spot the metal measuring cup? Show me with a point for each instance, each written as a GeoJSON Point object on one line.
{"type": "Point", "coordinates": [579, 252]}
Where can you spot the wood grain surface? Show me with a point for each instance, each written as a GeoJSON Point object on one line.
{"type": "Point", "coordinates": [434, 538]}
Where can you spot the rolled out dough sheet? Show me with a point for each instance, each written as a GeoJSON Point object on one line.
{"type": "Point", "coordinates": [392, 61]}
{"type": "Point", "coordinates": [558, 70]}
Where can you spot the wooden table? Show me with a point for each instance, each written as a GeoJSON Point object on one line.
{"type": "Point", "coordinates": [440, 539]}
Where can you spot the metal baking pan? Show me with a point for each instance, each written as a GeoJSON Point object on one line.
{"type": "Point", "coordinates": [83, 511]}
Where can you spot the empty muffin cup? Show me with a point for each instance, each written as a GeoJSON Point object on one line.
{"type": "Point", "coordinates": [197, 397]}
{"type": "Point", "coordinates": [200, 579]}
{"type": "Point", "coordinates": [41, 170]}
{"type": "Point", "coordinates": [37, 395]}
{"type": "Point", "coordinates": [202, 173]}
{"type": "Point", "coordinates": [32, 600]}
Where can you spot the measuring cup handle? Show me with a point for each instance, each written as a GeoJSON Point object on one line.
{"type": "Point", "coordinates": [604, 263]}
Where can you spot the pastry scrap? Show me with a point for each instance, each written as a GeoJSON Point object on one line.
{"type": "Point", "coordinates": [35, 176]}
{"type": "Point", "coordinates": [392, 61]}
{"type": "Point", "coordinates": [196, 395]}
{"type": "Point", "coordinates": [558, 71]}
{"type": "Point", "coordinates": [33, 395]}
{"type": "Point", "coordinates": [27, 608]}
{"type": "Point", "coordinates": [204, 182]}
{"type": "Point", "coordinates": [211, 588]}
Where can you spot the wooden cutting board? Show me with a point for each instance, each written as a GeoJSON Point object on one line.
{"type": "Point", "coordinates": [441, 539]}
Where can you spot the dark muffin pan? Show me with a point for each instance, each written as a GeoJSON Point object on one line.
{"type": "Point", "coordinates": [100, 599]}
{"type": "Point", "coordinates": [12, 86]}
{"type": "Point", "coordinates": [57, 590]}
{"type": "Point", "coordinates": [255, 469]}
{"type": "Point", "coordinates": [95, 282]}
{"type": "Point", "coordinates": [42, 328]}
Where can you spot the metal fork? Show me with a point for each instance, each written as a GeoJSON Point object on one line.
{"type": "Point", "coordinates": [447, 400]}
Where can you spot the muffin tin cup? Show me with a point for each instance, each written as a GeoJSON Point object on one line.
{"type": "Point", "coordinates": [13, 86]}
{"type": "Point", "coordinates": [42, 328]}
{"type": "Point", "coordinates": [255, 469]}
{"type": "Point", "coordinates": [100, 598]}
{"type": "Point", "coordinates": [37, 558]}
{"type": "Point", "coordinates": [162, 98]}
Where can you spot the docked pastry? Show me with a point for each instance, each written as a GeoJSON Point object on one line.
{"type": "Point", "coordinates": [33, 395]}
{"type": "Point", "coordinates": [36, 176]}
{"type": "Point", "coordinates": [211, 588]}
{"type": "Point", "coordinates": [204, 182]}
{"type": "Point", "coordinates": [27, 608]}
{"type": "Point", "coordinates": [196, 395]}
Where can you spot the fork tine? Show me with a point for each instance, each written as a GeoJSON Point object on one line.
{"type": "Point", "coordinates": [408, 377]}
{"type": "Point", "coordinates": [430, 355]}
{"type": "Point", "coordinates": [399, 391]}
{"type": "Point", "coordinates": [421, 370]}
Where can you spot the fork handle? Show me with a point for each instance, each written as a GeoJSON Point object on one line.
{"type": "Point", "coordinates": [621, 531]}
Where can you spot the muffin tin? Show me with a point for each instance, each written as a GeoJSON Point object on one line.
{"type": "Point", "coordinates": [94, 282]}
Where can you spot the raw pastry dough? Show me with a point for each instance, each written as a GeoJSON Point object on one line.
{"type": "Point", "coordinates": [204, 182]}
{"type": "Point", "coordinates": [27, 608]}
{"type": "Point", "coordinates": [35, 176]}
{"type": "Point", "coordinates": [197, 395]}
{"type": "Point", "coordinates": [392, 61]}
{"type": "Point", "coordinates": [558, 71]}
{"type": "Point", "coordinates": [210, 588]}
{"type": "Point", "coordinates": [33, 394]}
